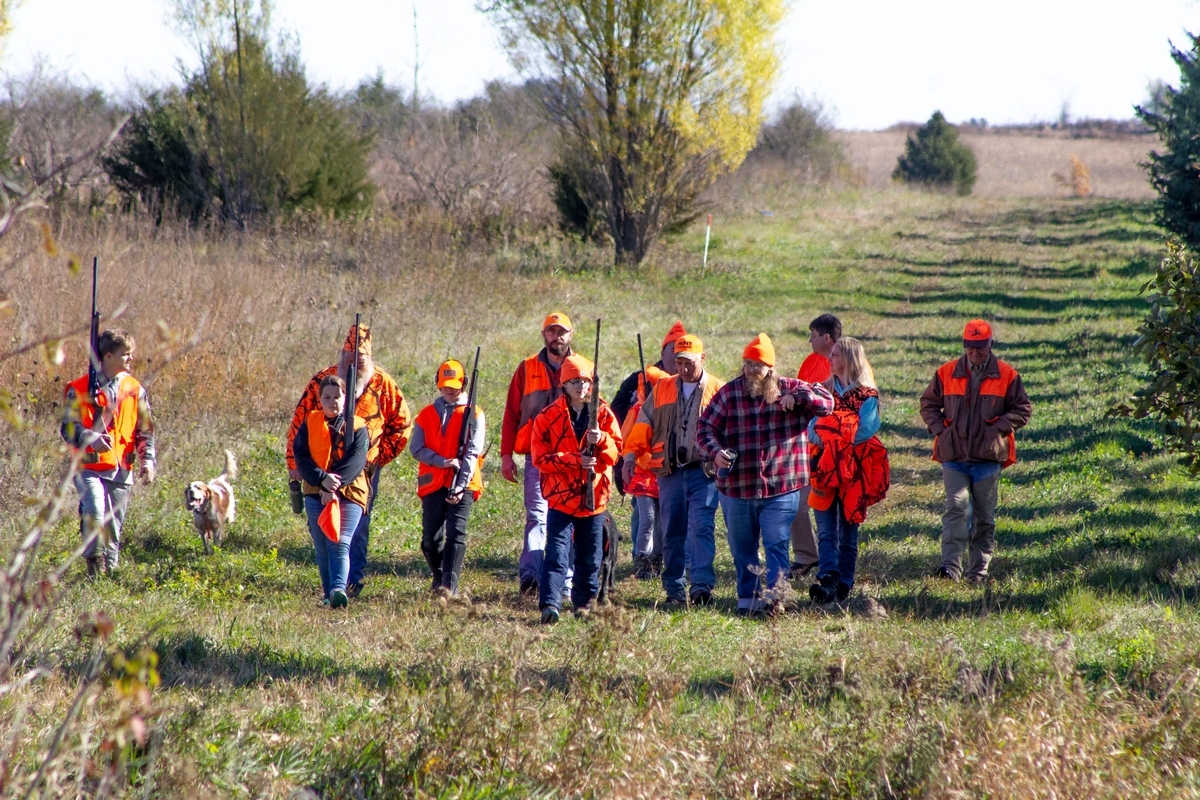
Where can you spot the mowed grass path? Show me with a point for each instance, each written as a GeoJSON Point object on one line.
{"type": "Point", "coordinates": [1074, 673]}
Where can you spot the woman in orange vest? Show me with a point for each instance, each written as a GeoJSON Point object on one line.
{"type": "Point", "coordinates": [110, 430]}
{"type": "Point", "coordinates": [560, 437]}
{"type": "Point", "coordinates": [335, 484]}
{"type": "Point", "coordinates": [447, 484]}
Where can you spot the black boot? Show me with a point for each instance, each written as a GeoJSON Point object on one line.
{"type": "Point", "coordinates": [824, 592]}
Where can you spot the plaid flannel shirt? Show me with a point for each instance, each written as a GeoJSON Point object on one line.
{"type": "Point", "coordinates": [772, 444]}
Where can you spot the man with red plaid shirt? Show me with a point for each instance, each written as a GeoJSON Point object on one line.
{"type": "Point", "coordinates": [756, 430]}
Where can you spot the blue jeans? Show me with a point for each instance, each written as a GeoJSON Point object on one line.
{"type": "Point", "coordinates": [101, 503]}
{"type": "Point", "coordinates": [687, 501]}
{"type": "Point", "coordinates": [588, 538]}
{"type": "Point", "coordinates": [838, 544]}
{"type": "Point", "coordinates": [362, 535]}
{"type": "Point", "coordinates": [534, 548]}
{"type": "Point", "coordinates": [333, 560]}
{"type": "Point", "coordinates": [748, 520]}
{"type": "Point", "coordinates": [647, 529]}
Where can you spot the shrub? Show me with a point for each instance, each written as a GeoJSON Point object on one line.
{"type": "Point", "coordinates": [247, 137]}
{"type": "Point", "coordinates": [1174, 114]}
{"type": "Point", "coordinates": [1079, 180]}
{"type": "Point", "coordinates": [1167, 342]}
{"type": "Point", "coordinates": [935, 157]}
{"type": "Point", "coordinates": [800, 140]}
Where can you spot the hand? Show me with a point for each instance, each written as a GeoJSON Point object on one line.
{"type": "Point", "coordinates": [455, 498]}
{"type": "Point", "coordinates": [453, 463]}
{"type": "Point", "coordinates": [722, 461]}
{"type": "Point", "coordinates": [587, 462]}
{"type": "Point", "coordinates": [147, 474]}
{"type": "Point", "coordinates": [593, 436]}
{"type": "Point", "coordinates": [293, 475]}
{"type": "Point", "coordinates": [508, 469]}
{"type": "Point", "coordinates": [326, 498]}
{"type": "Point", "coordinates": [788, 402]}
{"type": "Point", "coordinates": [332, 482]}
{"type": "Point", "coordinates": [627, 472]}
{"type": "Point", "coordinates": [102, 443]}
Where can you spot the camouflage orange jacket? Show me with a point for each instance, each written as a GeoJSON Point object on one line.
{"type": "Point", "coordinates": [381, 405]}
{"type": "Point", "coordinates": [557, 453]}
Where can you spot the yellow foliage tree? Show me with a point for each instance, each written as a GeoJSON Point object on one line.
{"type": "Point", "coordinates": [654, 100]}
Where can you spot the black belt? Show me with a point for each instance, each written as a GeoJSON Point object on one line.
{"type": "Point", "coordinates": [691, 465]}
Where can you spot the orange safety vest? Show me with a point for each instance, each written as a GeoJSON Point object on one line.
{"type": "Point", "coordinates": [989, 387]}
{"type": "Point", "coordinates": [541, 389]}
{"type": "Point", "coordinates": [430, 478]}
{"type": "Point", "coordinates": [644, 481]}
{"type": "Point", "coordinates": [123, 425]}
{"type": "Point", "coordinates": [652, 439]}
{"type": "Point", "coordinates": [320, 447]}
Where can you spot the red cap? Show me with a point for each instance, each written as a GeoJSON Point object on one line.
{"type": "Point", "coordinates": [978, 333]}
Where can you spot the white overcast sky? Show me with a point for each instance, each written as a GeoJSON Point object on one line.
{"type": "Point", "coordinates": [875, 62]}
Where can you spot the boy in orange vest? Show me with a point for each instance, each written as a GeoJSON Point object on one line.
{"type": "Point", "coordinates": [111, 429]}
{"type": "Point", "coordinates": [447, 484]}
{"type": "Point", "coordinates": [560, 436]}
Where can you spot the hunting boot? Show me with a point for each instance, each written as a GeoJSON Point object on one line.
{"type": "Point", "coordinates": [95, 566]}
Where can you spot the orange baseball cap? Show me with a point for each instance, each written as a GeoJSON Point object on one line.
{"type": "Point", "coordinates": [557, 318]}
{"type": "Point", "coordinates": [364, 340]}
{"type": "Point", "coordinates": [978, 333]}
{"type": "Point", "coordinates": [689, 346]}
{"type": "Point", "coordinates": [452, 374]}
{"type": "Point", "coordinates": [674, 334]}
{"type": "Point", "coordinates": [576, 366]}
{"type": "Point", "coordinates": [762, 349]}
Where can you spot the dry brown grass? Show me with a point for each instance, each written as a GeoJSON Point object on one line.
{"type": "Point", "coordinates": [1012, 164]}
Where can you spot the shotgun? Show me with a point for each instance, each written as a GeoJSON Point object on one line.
{"type": "Point", "coordinates": [589, 489]}
{"type": "Point", "coordinates": [468, 425]}
{"type": "Point", "coordinates": [645, 378]}
{"type": "Point", "coordinates": [351, 388]}
{"type": "Point", "coordinates": [95, 370]}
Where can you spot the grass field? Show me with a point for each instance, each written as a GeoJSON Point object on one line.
{"type": "Point", "coordinates": [1073, 675]}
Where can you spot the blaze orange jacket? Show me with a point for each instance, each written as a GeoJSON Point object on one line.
{"type": "Point", "coordinates": [381, 405]}
{"type": "Point", "coordinates": [557, 454]}
{"type": "Point", "coordinates": [534, 386]}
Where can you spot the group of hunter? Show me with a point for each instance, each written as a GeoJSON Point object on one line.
{"type": "Point", "coordinates": [677, 440]}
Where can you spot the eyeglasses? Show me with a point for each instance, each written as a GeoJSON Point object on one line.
{"type": "Point", "coordinates": [754, 366]}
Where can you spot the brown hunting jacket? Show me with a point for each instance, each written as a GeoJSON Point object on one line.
{"type": "Point", "coordinates": [974, 420]}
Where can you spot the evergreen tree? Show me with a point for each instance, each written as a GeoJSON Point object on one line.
{"type": "Point", "coordinates": [1175, 174]}
{"type": "Point", "coordinates": [935, 157]}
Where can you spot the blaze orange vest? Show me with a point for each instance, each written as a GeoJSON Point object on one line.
{"type": "Point", "coordinates": [123, 424]}
{"type": "Point", "coordinates": [652, 439]}
{"type": "Point", "coordinates": [540, 391]}
{"type": "Point", "coordinates": [989, 387]}
{"type": "Point", "coordinates": [430, 478]}
{"type": "Point", "coordinates": [321, 448]}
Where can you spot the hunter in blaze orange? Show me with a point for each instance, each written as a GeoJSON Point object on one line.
{"type": "Point", "coordinates": [663, 440]}
{"type": "Point", "coordinates": [973, 407]}
{"type": "Point", "coordinates": [534, 386]}
{"type": "Point", "coordinates": [448, 482]}
{"type": "Point", "coordinates": [389, 423]}
{"type": "Point", "coordinates": [561, 443]}
{"type": "Point", "coordinates": [108, 434]}
{"type": "Point", "coordinates": [634, 390]}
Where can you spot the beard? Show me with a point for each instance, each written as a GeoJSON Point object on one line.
{"type": "Point", "coordinates": [766, 387]}
{"type": "Point", "coordinates": [560, 349]}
